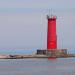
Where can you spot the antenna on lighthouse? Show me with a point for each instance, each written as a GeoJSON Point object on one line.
{"type": "Point", "coordinates": [50, 15]}
{"type": "Point", "coordinates": [49, 12]}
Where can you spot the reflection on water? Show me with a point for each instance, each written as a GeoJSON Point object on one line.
{"type": "Point", "coordinates": [52, 59]}
{"type": "Point", "coordinates": [37, 66]}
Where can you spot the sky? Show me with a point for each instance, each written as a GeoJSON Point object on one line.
{"type": "Point", "coordinates": [23, 23]}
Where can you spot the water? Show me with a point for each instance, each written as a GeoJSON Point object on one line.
{"type": "Point", "coordinates": [37, 66]}
{"type": "Point", "coordinates": [15, 51]}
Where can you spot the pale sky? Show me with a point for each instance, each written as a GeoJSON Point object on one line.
{"type": "Point", "coordinates": [23, 23]}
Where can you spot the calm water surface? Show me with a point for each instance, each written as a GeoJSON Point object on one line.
{"type": "Point", "coordinates": [37, 66]}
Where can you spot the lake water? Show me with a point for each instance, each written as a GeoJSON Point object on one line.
{"type": "Point", "coordinates": [63, 66]}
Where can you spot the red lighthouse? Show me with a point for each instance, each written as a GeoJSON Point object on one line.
{"type": "Point", "coordinates": [52, 50]}
{"type": "Point", "coordinates": [51, 33]}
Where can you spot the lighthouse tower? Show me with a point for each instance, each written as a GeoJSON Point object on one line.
{"type": "Point", "coordinates": [52, 50]}
{"type": "Point", "coordinates": [51, 33]}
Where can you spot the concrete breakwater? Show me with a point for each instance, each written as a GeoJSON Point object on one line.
{"type": "Point", "coordinates": [32, 56]}
{"type": "Point", "coordinates": [22, 56]}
